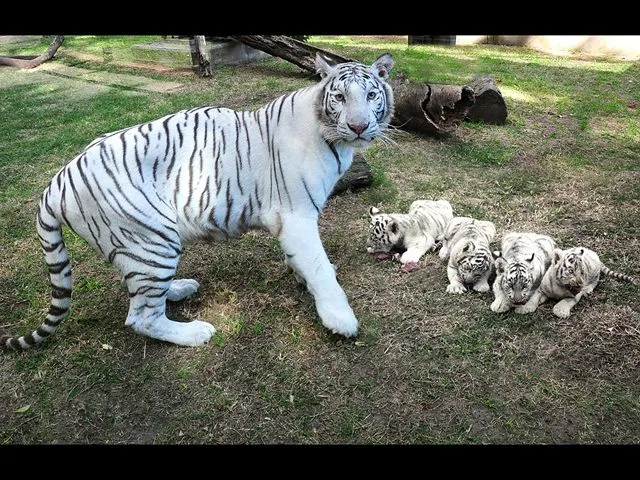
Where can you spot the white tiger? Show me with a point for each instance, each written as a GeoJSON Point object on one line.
{"type": "Point", "coordinates": [520, 267]}
{"type": "Point", "coordinates": [139, 194]}
{"type": "Point", "coordinates": [467, 245]}
{"type": "Point", "coordinates": [574, 273]}
{"type": "Point", "coordinates": [416, 232]}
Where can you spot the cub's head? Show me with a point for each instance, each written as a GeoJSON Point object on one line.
{"type": "Point", "coordinates": [473, 261]}
{"type": "Point", "coordinates": [569, 269]}
{"type": "Point", "coordinates": [356, 102]}
{"type": "Point", "coordinates": [384, 232]}
{"type": "Point", "coordinates": [516, 277]}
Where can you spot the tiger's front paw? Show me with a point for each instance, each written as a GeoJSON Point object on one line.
{"type": "Point", "coordinates": [481, 287]}
{"type": "Point", "coordinates": [524, 309]}
{"type": "Point", "coordinates": [338, 319]}
{"type": "Point", "coordinates": [561, 311]}
{"type": "Point", "coordinates": [499, 306]}
{"type": "Point", "coordinates": [456, 288]}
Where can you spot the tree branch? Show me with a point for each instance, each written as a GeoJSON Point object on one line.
{"type": "Point", "coordinates": [24, 62]}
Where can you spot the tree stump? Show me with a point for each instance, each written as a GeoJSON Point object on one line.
{"type": "Point", "coordinates": [358, 175]}
{"type": "Point", "coordinates": [489, 106]}
{"type": "Point", "coordinates": [199, 56]}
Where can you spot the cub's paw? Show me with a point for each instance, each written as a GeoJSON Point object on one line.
{"type": "Point", "coordinates": [561, 311]}
{"type": "Point", "coordinates": [499, 307]}
{"type": "Point", "coordinates": [524, 309]}
{"type": "Point", "coordinates": [481, 287]}
{"type": "Point", "coordinates": [451, 288]}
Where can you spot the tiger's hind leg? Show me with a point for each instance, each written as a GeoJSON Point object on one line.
{"type": "Point", "coordinates": [149, 291]}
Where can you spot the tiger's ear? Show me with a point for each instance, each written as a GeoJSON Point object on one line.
{"type": "Point", "coordinates": [323, 68]}
{"type": "Point", "coordinates": [382, 66]}
{"type": "Point", "coordinates": [557, 255]}
{"type": "Point", "coordinates": [499, 262]}
{"type": "Point", "coordinates": [374, 211]}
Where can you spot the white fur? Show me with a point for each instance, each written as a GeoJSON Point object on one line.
{"type": "Point", "coordinates": [532, 250]}
{"type": "Point", "coordinates": [462, 237]}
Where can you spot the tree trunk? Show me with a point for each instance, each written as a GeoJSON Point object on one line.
{"type": "Point", "coordinates": [199, 56]}
{"type": "Point", "coordinates": [26, 62]}
{"type": "Point", "coordinates": [420, 107]}
{"type": "Point", "coordinates": [299, 53]}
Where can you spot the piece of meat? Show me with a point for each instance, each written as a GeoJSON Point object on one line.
{"type": "Point", "coordinates": [409, 267]}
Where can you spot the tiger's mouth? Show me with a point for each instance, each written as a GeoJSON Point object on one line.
{"type": "Point", "coordinates": [574, 289]}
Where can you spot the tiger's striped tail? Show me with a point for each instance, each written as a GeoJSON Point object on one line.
{"type": "Point", "coordinates": [623, 277]}
{"type": "Point", "coordinates": [49, 231]}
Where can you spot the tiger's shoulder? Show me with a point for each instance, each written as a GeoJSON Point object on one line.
{"type": "Point", "coordinates": [461, 229]}
{"type": "Point", "coordinates": [524, 245]}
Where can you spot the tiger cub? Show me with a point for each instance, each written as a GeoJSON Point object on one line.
{"type": "Point", "coordinates": [466, 244]}
{"type": "Point", "coordinates": [415, 232]}
{"type": "Point", "coordinates": [574, 272]}
{"type": "Point", "coordinates": [520, 267]}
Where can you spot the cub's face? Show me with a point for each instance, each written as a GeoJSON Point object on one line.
{"type": "Point", "coordinates": [516, 279]}
{"type": "Point", "coordinates": [471, 269]}
{"type": "Point", "coordinates": [568, 270]}
{"type": "Point", "coordinates": [384, 232]}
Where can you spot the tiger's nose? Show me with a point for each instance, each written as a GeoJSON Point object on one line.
{"type": "Point", "coordinates": [358, 127]}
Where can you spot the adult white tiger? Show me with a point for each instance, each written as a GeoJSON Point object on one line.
{"type": "Point", "coordinates": [467, 245]}
{"type": "Point", "coordinates": [139, 194]}
{"type": "Point", "coordinates": [574, 273]}
{"type": "Point", "coordinates": [520, 267]}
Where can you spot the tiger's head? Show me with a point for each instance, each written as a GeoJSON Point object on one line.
{"type": "Point", "coordinates": [569, 269]}
{"type": "Point", "coordinates": [356, 101]}
{"type": "Point", "coordinates": [384, 232]}
{"type": "Point", "coordinates": [516, 277]}
{"type": "Point", "coordinates": [473, 261]}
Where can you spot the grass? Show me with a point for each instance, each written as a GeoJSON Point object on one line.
{"type": "Point", "coordinates": [427, 367]}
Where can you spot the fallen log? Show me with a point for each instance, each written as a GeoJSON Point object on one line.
{"type": "Point", "coordinates": [489, 106]}
{"type": "Point", "coordinates": [26, 62]}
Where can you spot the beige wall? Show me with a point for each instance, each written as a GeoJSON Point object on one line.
{"type": "Point", "coordinates": [616, 46]}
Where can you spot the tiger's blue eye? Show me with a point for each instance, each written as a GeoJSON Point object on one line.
{"type": "Point", "coordinates": [339, 97]}
{"type": "Point", "coordinates": [371, 95]}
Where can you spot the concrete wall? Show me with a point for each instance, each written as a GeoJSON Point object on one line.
{"type": "Point", "coordinates": [614, 46]}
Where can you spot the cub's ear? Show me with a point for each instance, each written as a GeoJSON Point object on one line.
{"type": "Point", "coordinates": [323, 67]}
{"type": "Point", "coordinates": [557, 256]}
{"type": "Point", "coordinates": [393, 227]}
{"type": "Point", "coordinates": [496, 254]}
{"type": "Point", "coordinates": [374, 211]}
{"type": "Point", "coordinates": [382, 66]}
{"type": "Point", "coordinates": [499, 262]}
{"type": "Point", "coordinates": [469, 247]}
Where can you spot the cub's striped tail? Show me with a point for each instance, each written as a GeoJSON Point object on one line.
{"type": "Point", "coordinates": [49, 231]}
{"type": "Point", "coordinates": [623, 277]}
